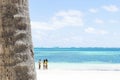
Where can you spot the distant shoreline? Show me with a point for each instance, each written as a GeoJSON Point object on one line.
{"type": "Point", "coordinates": [78, 49]}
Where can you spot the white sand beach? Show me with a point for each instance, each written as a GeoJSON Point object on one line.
{"type": "Point", "coordinates": [77, 75]}
{"type": "Point", "coordinates": [106, 72]}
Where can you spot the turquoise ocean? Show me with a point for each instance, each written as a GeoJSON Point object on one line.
{"type": "Point", "coordinates": [74, 57]}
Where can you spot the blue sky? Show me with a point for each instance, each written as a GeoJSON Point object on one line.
{"type": "Point", "coordinates": [75, 23]}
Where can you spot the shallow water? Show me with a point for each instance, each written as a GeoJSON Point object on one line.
{"type": "Point", "coordinates": [108, 57]}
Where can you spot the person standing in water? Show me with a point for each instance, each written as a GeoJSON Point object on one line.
{"type": "Point", "coordinates": [39, 63]}
{"type": "Point", "coordinates": [46, 63]}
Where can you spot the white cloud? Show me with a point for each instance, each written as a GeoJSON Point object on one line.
{"type": "Point", "coordinates": [40, 30]}
{"type": "Point", "coordinates": [68, 18]}
{"type": "Point", "coordinates": [66, 41]}
{"type": "Point", "coordinates": [95, 31]}
{"type": "Point", "coordinates": [111, 8]}
{"type": "Point", "coordinates": [102, 32]}
{"type": "Point", "coordinates": [69, 13]}
{"type": "Point", "coordinates": [114, 21]}
{"type": "Point", "coordinates": [61, 19]}
{"type": "Point", "coordinates": [93, 10]}
{"type": "Point", "coordinates": [90, 30]}
{"type": "Point", "coordinates": [41, 26]}
{"type": "Point", "coordinates": [99, 21]}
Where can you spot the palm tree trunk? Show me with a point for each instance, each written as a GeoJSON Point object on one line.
{"type": "Point", "coordinates": [16, 51]}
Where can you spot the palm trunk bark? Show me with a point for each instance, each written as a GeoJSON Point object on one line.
{"type": "Point", "coordinates": [16, 51]}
